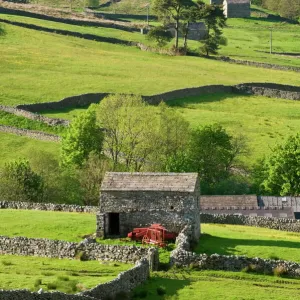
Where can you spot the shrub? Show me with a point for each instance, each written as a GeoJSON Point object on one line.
{"type": "Point", "coordinates": [37, 282]}
{"type": "Point", "coordinates": [63, 278]}
{"type": "Point", "coordinates": [161, 290]}
{"type": "Point", "coordinates": [51, 286]}
{"type": "Point", "coordinates": [81, 256]}
{"type": "Point", "coordinates": [6, 263]}
{"type": "Point", "coordinates": [280, 271]}
{"type": "Point", "coordinates": [274, 257]}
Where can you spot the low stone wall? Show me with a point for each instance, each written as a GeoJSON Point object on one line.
{"type": "Point", "coordinates": [183, 257]}
{"type": "Point", "coordinates": [38, 135]}
{"type": "Point", "coordinates": [266, 89]}
{"type": "Point", "coordinates": [48, 207]}
{"type": "Point", "coordinates": [87, 250]}
{"type": "Point", "coordinates": [284, 224]}
{"type": "Point", "coordinates": [33, 116]}
{"type": "Point", "coordinates": [27, 295]}
{"type": "Point", "coordinates": [269, 90]}
{"type": "Point", "coordinates": [258, 64]}
{"type": "Point", "coordinates": [124, 282]}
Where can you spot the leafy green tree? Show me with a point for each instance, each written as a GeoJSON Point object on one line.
{"type": "Point", "coordinates": [214, 19]}
{"type": "Point", "coordinates": [160, 34]}
{"type": "Point", "coordinates": [83, 136]}
{"type": "Point", "coordinates": [90, 177]}
{"type": "Point", "coordinates": [282, 169]}
{"type": "Point", "coordinates": [129, 130]}
{"type": "Point", "coordinates": [18, 182]}
{"type": "Point", "coordinates": [213, 153]}
{"type": "Point", "coordinates": [172, 11]}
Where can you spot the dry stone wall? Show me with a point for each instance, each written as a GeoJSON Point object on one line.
{"type": "Point", "coordinates": [266, 222]}
{"type": "Point", "coordinates": [266, 89]}
{"type": "Point", "coordinates": [183, 257]}
{"type": "Point", "coordinates": [62, 249]}
{"type": "Point", "coordinates": [48, 206]}
{"type": "Point", "coordinates": [33, 116]}
{"type": "Point", "coordinates": [38, 135]}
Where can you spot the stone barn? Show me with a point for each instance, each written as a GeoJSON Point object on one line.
{"type": "Point", "coordinates": [216, 2]}
{"type": "Point", "coordinates": [131, 200]}
{"type": "Point", "coordinates": [237, 8]}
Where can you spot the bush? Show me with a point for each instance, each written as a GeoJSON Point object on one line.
{"type": "Point", "coordinates": [51, 286]}
{"type": "Point", "coordinates": [161, 290]}
{"type": "Point", "coordinates": [37, 283]}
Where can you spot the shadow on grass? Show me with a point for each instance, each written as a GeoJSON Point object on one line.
{"type": "Point", "coordinates": [170, 285]}
{"type": "Point", "coordinates": [62, 110]}
{"type": "Point", "coordinates": [211, 244]}
{"type": "Point", "coordinates": [209, 98]}
{"type": "Point", "coordinates": [269, 17]}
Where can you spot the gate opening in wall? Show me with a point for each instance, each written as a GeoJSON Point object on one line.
{"type": "Point", "coordinates": [114, 224]}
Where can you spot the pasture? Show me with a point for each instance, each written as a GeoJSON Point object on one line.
{"type": "Point", "coordinates": [69, 276]}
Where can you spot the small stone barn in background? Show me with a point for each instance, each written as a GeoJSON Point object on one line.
{"type": "Point", "coordinates": [237, 8]}
{"type": "Point", "coordinates": [130, 200]}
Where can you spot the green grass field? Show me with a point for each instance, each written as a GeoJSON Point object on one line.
{"type": "Point", "coordinates": [249, 241]}
{"type": "Point", "coordinates": [47, 224]}
{"type": "Point", "coordinates": [14, 147]}
{"type": "Point", "coordinates": [33, 70]}
{"type": "Point", "coordinates": [69, 276]}
{"type": "Point", "coordinates": [185, 284]}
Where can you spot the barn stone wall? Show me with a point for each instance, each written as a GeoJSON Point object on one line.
{"type": "Point", "coordinates": [143, 208]}
{"type": "Point", "coordinates": [237, 10]}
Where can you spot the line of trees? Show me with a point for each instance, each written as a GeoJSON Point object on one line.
{"type": "Point", "coordinates": [123, 133]}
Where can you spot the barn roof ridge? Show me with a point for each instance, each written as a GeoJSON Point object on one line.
{"type": "Point", "coordinates": [149, 181]}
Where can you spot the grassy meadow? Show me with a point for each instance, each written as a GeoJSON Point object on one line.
{"type": "Point", "coordinates": [185, 284]}
{"type": "Point", "coordinates": [69, 276]}
{"type": "Point", "coordinates": [14, 147]}
{"type": "Point", "coordinates": [40, 67]}
{"type": "Point", "coordinates": [249, 241]}
{"type": "Point", "coordinates": [47, 224]}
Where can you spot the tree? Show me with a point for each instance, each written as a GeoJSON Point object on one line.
{"type": "Point", "coordinates": [83, 136]}
{"type": "Point", "coordinates": [172, 10]}
{"type": "Point", "coordinates": [129, 130]}
{"type": "Point", "coordinates": [212, 153]}
{"type": "Point", "coordinates": [282, 169]}
{"type": "Point", "coordinates": [160, 35]}
{"type": "Point", "coordinates": [214, 20]}
{"type": "Point", "coordinates": [18, 182]}
{"type": "Point", "coordinates": [90, 177]}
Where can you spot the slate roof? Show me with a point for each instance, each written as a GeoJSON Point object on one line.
{"type": "Point", "coordinates": [175, 182]}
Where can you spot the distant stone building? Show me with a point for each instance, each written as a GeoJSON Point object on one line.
{"type": "Point", "coordinates": [131, 200]}
{"type": "Point", "coordinates": [237, 8]}
{"type": "Point", "coordinates": [216, 2]}
{"type": "Point", "coordinates": [197, 31]}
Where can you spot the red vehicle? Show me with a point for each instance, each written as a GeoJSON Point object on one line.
{"type": "Point", "coordinates": [156, 234]}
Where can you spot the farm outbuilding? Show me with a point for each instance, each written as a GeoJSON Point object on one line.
{"type": "Point", "coordinates": [237, 8]}
{"type": "Point", "coordinates": [130, 200]}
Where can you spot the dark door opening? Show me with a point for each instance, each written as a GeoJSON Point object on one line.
{"type": "Point", "coordinates": [297, 215]}
{"type": "Point", "coordinates": [114, 224]}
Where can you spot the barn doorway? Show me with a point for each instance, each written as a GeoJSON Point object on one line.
{"type": "Point", "coordinates": [114, 224]}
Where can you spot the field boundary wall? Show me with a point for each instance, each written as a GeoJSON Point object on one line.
{"type": "Point", "coordinates": [182, 256]}
{"type": "Point", "coordinates": [38, 135]}
{"type": "Point", "coordinates": [262, 89]}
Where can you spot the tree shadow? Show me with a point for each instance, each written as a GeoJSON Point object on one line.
{"type": "Point", "coordinates": [208, 98]}
{"type": "Point", "coordinates": [212, 244]}
{"type": "Point", "coordinates": [171, 286]}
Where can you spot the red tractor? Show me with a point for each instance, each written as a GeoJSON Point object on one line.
{"type": "Point", "coordinates": [156, 234]}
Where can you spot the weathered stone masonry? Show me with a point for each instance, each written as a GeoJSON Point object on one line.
{"type": "Point", "coordinates": [131, 200]}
